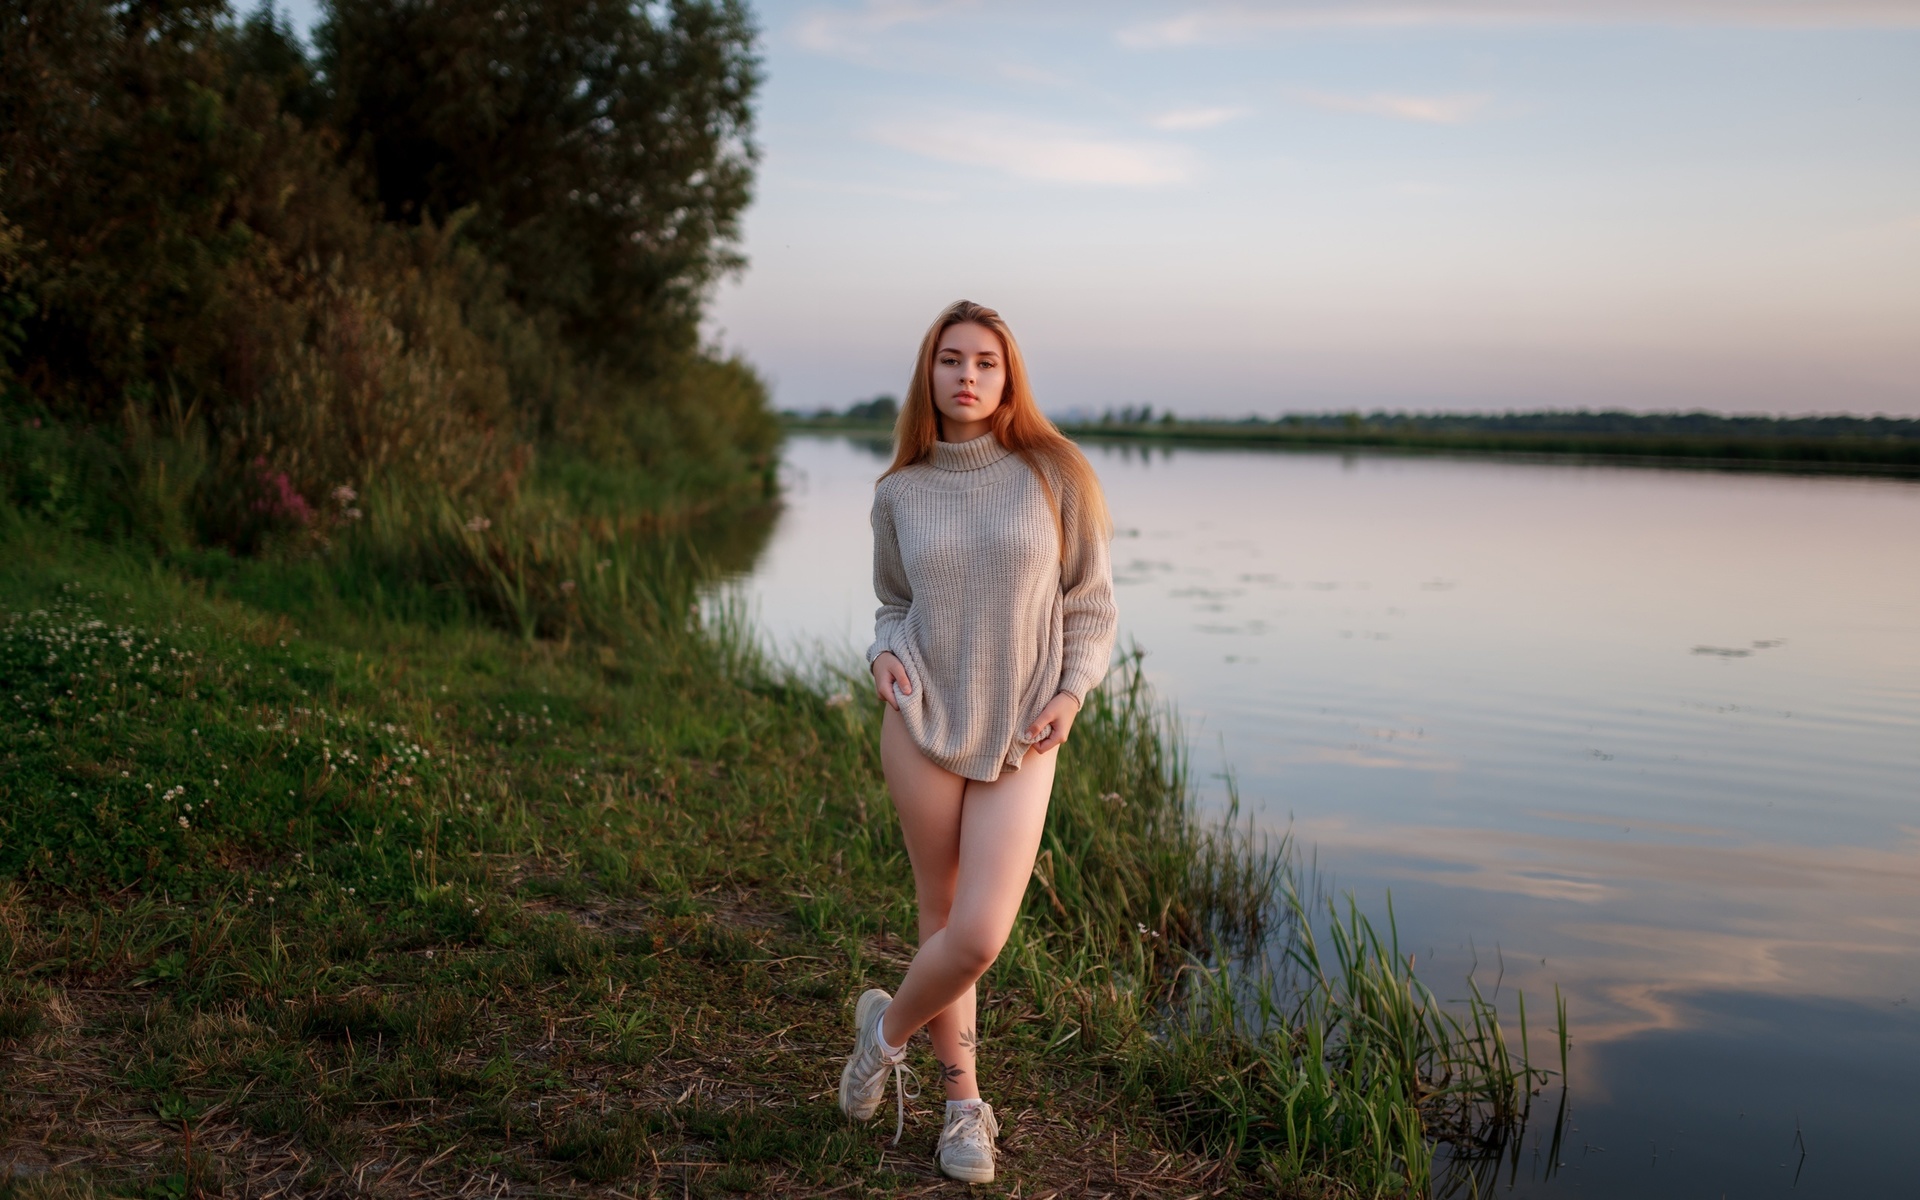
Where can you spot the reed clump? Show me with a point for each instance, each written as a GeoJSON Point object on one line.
{"type": "Point", "coordinates": [1333, 1066]}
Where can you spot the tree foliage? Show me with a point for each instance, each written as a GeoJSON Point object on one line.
{"type": "Point", "coordinates": [602, 145]}
{"type": "Point", "coordinates": [340, 280]}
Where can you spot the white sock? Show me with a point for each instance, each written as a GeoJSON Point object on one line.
{"type": "Point", "coordinates": [889, 1051]}
{"type": "Point", "coordinates": [954, 1106]}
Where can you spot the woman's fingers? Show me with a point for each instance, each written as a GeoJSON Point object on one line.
{"type": "Point", "coordinates": [1054, 721]}
{"type": "Point", "coordinates": [889, 673]}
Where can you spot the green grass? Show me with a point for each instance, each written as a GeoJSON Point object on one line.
{"type": "Point", "coordinates": [313, 869]}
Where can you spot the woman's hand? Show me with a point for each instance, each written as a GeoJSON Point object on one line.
{"type": "Point", "coordinates": [1056, 719]}
{"type": "Point", "coordinates": [889, 671]}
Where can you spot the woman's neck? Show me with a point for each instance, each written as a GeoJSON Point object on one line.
{"type": "Point", "coordinates": [954, 431]}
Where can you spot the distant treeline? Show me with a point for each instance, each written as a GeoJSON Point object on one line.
{"type": "Point", "coordinates": [451, 247]}
{"type": "Point", "coordinates": [1581, 421]}
{"type": "Point", "coordinates": [1841, 442]}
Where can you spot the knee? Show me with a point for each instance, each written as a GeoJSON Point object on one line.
{"type": "Point", "coordinates": [973, 950]}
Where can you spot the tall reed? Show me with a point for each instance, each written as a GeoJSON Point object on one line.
{"type": "Point", "coordinates": [1338, 1067]}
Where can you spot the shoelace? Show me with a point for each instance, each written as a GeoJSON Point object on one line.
{"type": "Point", "coordinates": [901, 1096]}
{"type": "Point", "coordinates": [899, 1067]}
{"type": "Point", "coordinates": [966, 1122]}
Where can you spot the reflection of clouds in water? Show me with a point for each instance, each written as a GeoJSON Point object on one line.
{"type": "Point", "coordinates": [1628, 826]}
{"type": "Point", "coordinates": [1400, 759]}
{"type": "Point", "coordinates": [1684, 918]}
{"type": "Point", "coordinates": [1140, 570]}
{"type": "Point", "coordinates": [1243, 629]}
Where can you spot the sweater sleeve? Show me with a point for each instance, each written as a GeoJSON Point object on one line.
{"type": "Point", "coordinates": [1090, 618]}
{"type": "Point", "coordinates": [890, 584]}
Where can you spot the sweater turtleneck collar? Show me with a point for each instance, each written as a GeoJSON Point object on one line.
{"type": "Point", "coordinates": [982, 451]}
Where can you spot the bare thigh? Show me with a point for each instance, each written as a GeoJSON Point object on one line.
{"type": "Point", "coordinates": [928, 799]}
{"type": "Point", "coordinates": [1000, 827]}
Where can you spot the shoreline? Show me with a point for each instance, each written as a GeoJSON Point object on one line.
{"type": "Point", "coordinates": [1885, 458]}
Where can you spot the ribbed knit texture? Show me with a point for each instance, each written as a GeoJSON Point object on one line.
{"type": "Point", "coordinates": [990, 620]}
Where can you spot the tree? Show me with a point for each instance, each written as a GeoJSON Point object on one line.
{"type": "Point", "coordinates": [880, 408]}
{"type": "Point", "coordinates": [603, 146]}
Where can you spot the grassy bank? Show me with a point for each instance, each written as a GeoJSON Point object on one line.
{"type": "Point", "coordinates": [1877, 448]}
{"type": "Point", "coordinates": [325, 882]}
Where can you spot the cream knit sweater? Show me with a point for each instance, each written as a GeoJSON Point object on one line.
{"type": "Point", "coordinates": [979, 606]}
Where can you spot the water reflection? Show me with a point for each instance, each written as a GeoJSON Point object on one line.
{"type": "Point", "coordinates": [1651, 735]}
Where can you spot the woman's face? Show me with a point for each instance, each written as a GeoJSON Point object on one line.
{"type": "Point", "coordinates": [969, 379]}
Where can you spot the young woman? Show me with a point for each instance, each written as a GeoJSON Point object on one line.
{"type": "Point", "coordinates": [996, 616]}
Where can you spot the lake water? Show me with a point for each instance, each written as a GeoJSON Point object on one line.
{"type": "Point", "coordinates": [1650, 735]}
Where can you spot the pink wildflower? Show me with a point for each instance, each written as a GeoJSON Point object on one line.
{"type": "Point", "coordinates": [278, 498]}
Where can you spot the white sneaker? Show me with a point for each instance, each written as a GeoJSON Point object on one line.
{"type": "Point", "coordinates": [966, 1144]}
{"type": "Point", "coordinates": [863, 1081]}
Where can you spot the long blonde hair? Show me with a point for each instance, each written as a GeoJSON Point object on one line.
{"type": "Point", "coordinates": [1018, 423]}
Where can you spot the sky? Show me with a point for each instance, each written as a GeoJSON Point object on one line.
{"type": "Point", "coordinates": [1305, 205]}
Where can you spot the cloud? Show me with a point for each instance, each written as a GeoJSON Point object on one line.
{"type": "Point", "coordinates": [885, 192]}
{"type": "Point", "coordinates": [1154, 35]}
{"type": "Point", "coordinates": [849, 33]}
{"type": "Point", "coordinates": [1181, 120]}
{"type": "Point", "coordinates": [1048, 153]}
{"type": "Point", "coordinates": [1438, 110]}
{"type": "Point", "coordinates": [1220, 22]}
{"type": "Point", "coordinates": [1021, 73]}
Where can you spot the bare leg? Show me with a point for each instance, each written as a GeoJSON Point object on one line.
{"type": "Point", "coordinates": [973, 851]}
{"type": "Point", "coordinates": [928, 800]}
